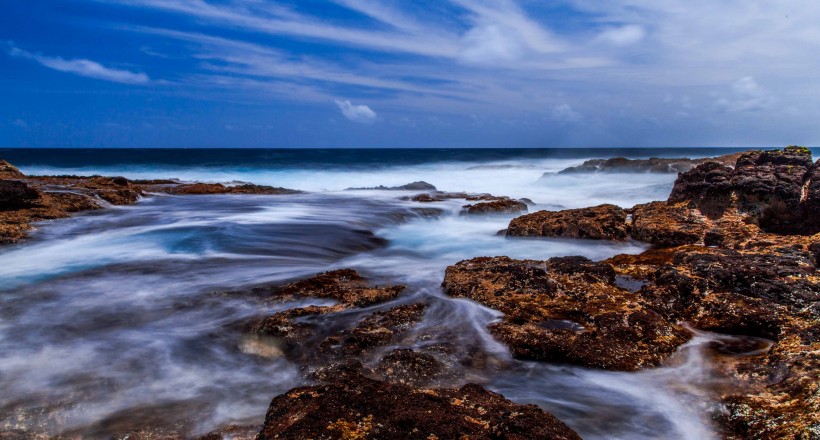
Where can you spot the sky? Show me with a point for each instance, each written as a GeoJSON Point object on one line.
{"type": "Point", "coordinates": [401, 73]}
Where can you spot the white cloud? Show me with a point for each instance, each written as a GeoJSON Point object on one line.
{"type": "Point", "coordinates": [622, 36]}
{"type": "Point", "coordinates": [747, 96]}
{"type": "Point", "coordinates": [564, 113]}
{"type": "Point", "coordinates": [83, 67]}
{"type": "Point", "coordinates": [356, 113]}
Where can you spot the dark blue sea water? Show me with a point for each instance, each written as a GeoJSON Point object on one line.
{"type": "Point", "coordinates": [322, 158]}
{"type": "Point", "coordinates": [113, 313]}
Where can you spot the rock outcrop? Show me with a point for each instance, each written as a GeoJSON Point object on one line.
{"type": "Point", "coordinates": [651, 165]}
{"type": "Point", "coordinates": [16, 195]}
{"type": "Point", "coordinates": [603, 222]}
{"type": "Point", "coordinates": [413, 186]}
{"type": "Point", "coordinates": [28, 199]}
{"type": "Point", "coordinates": [500, 206]}
{"type": "Point", "coordinates": [566, 310]}
{"type": "Point", "coordinates": [9, 171]}
{"type": "Point", "coordinates": [355, 407]}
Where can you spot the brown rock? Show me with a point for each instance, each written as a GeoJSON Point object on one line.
{"type": "Point", "coordinates": [354, 407]}
{"type": "Point", "coordinates": [9, 171]}
{"type": "Point", "coordinates": [500, 206]}
{"type": "Point", "coordinates": [603, 222]}
{"type": "Point", "coordinates": [667, 224]}
{"type": "Point", "coordinates": [562, 315]}
{"type": "Point", "coordinates": [218, 188]}
{"type": "Point", "coordinates": [16, 195]}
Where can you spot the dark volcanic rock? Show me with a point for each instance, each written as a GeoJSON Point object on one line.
{"type": "Point", "coordinates": [379, 329]}
{"type": "Point", "coordinates": [355, 407]}
{"type": "Point", "coordinates": [603, 222]}
{"type": "Point", "coordinates": [769, 186]}
{"type": "Point", "coordinates": [707, 187]}
{"type": "Point", "coordinates": [501, 206]}
{"type": "Point", "coordinates": [410, 367]}
{"type": "Point", "coordinates": [414, 186]}
{"type": "Point", "coordinates": [16, 195]}
{"type": "Point", "coordinates": [343, 285]}
{"type": "Point", "coordinates": [624, 165]}
{"type": "Point", "coordinates": [811, 199]}
{"type": "Point", "coordinates": [218, 188]}
{"type": "Point", "coordinates": [566, 310]}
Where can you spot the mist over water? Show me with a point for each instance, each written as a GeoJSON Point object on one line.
{"type": "Point", "coordinates": [123, 312]}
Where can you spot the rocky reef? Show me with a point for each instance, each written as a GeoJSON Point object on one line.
{"type": "Point", "coordinates": [355, 407]}
{"type": "Point", "coordinates": [28, 199]}
{"type": "Point", "coordinates": [603, 222]}
{"type": "Point", "coordinates": [651, 165]}
{"type": "Point", "coordinates": [736, 253]}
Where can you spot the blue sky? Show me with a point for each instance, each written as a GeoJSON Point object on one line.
{"type": "Point", "coordinates": [400, 73]}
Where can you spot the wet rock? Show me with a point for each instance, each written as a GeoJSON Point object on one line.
{"type": "Point", "coordinates": [379, 329]}
{"type": "Point", "coordinates": [784, 276]}
{"type": "Point", "coordinates": [651, 165]}
{"type": "Point", "coordinates": [16, 195]}
{"type": "Point", "coordinates": [624, 165]}
{"type": "Point", "coordinates": [218, 188]}
{"type": "Point", "coordinates": [769, 186]}
{"type": "Point", "coordinates": [707, 187]}
{"type": "Point", "coordinates": [667, 224]}
{"type": "Point", "coordinates": [9, 171]}
{"type": "Point", "coordinates": [603, 222]}
{"type": "Point", "coordinates": [343, 285]}
{"type": "Point", "coordinates": [604, 326]}
{"type": "Point", "coordinates": [410, 367]}
{"type": "Point", "coordinates": [354, 407]}
{"type": "Point", "coordinates": [501, 206]}
{"type": "Point", "coordinates": [414, 186]}
{"type": "Point", "coordinates": [426, 198]}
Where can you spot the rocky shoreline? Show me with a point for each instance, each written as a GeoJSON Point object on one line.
{"type": "Point", "coordinates": [735, 251]}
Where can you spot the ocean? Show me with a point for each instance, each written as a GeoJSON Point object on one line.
{"type": "Point", "coordinates": [118, 312]}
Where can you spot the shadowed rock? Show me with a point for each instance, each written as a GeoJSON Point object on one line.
{"type": "Point", "coordinates": [414, 186]}
{"type": "Point", "coordinates": [16, 195]}
{"type": "Point", "coordinates": [355, 407]}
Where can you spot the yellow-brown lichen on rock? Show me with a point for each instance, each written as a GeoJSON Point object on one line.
{"type": "Point", "coordinates": [566, 310]}
{"type": "Point", "coordinates": [603, 222]}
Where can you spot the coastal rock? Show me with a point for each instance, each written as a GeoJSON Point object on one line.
{"type": "Point", "coordinates": [343, 285]}
{"type": "Point", "coordinates": [624, 165]}
{"type": "Point", "coordinates": [769, 187]}
{"type": "Point", "coordinates": [566, 310]}
{"type": "Point", "coordinates": [9, 171]}
{"type": "Point", "coordinates": [410, 367]}
{"type": "Point", "coordinates": [16, 195]}
{"type": "Point", "coordinates": [355, 407]}
{"type": "Point", "coordinates": [651, 165]}
{"type": "Point", "coordinates": [603, 222]}
{"type": "Point", "coordinates": [413, 186]}
{"type": "Point", "coordinates": [500, 206]}
{"type": "Point", "coordinates": [767, 291]}
{"type": "Point", "coordinates": [377, 330]}
{"type": "Point", "coordinates": [667, 224]}
{"type": "Point", "coordinates": [218, 188]}
{"type": "Point", "coordinates": [707, 187]}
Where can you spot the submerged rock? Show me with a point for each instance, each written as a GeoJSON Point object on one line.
{"type": "Point", "coordinates": [355, 407]}
{"type": "Point", "coordinates": [603, 222]}
{"type": "Point", "coordinates": [566, 310]}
